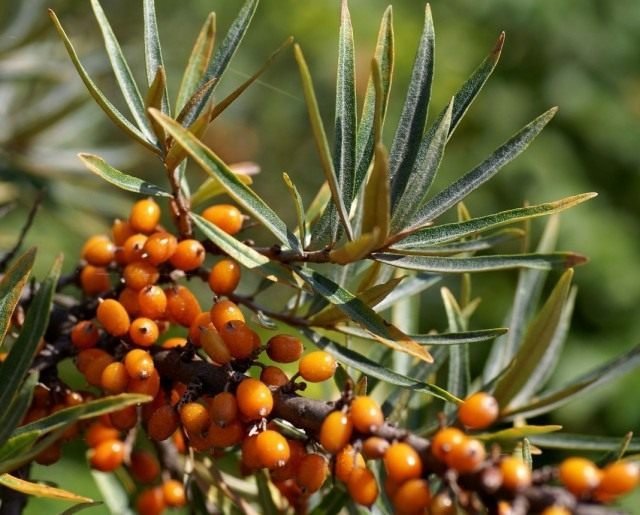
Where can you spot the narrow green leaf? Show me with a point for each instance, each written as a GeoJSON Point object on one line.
{"type": "Point", "coordinates": [153, 51]}
{"type": "Point", "coordinates": [11, 287]}
{"type": "Point", "coordinates": [458, 376]}
{"type": "Point", "coordinates": [123, 74]}
{"type": "Point", "coordinates": [526, 453]}
{"type": "Point", "coordinates": [517, 433]}
{"type": "Point", "coordinates": [439, 234]}
{"type": "Point", "coordinates": [265, 499]}
{"type": "Point", "coordinates": [297, 201]}
{"type": "Point", "coordinates": [111, 111]}
{"type": "Point", "coordinates": [548, 401]}
{"type": "Point", "coordinates": [198, 61]}
{"type": "Point", "coordinates": [356, 250]}
{"type": "Point", "coordinates": [616, 454]}
{"type": "Point", "coordinates": [17, 363]}
{"type": "Point", "coordinates": [19, 406]}
{"type": "Point", "coordinates": [584, 443]}
{"type": "Point", "coordinates": [113, 492]}
{"type": "Point", "coordinates": [359, 312]}
{"type": "Point", "coordinates": [155, 98]}
{"type": "Point", "coordinates": [474, 245]}
{"type": "Point", "coordinates": [376, 209]}
{"type": "Point", "coordinates": [412, 285]}
{"type": "Point", "coordinates": [408, 200]}
{"type": "Point", "coordinates": [120, 179]}
{"type": "Point", "coordinates": [414, 113]}
{"type": "Point", "coordinates": [536, 341]}
{"type": "Point", "coordinates": [332, 502]}
{"type": "Point", "coordinates": [40, 489]}
{"type": "Point", "coordinates": [80, 507]}
{"type": "Point", "coordinates": [223, 55]}
{"type": "Point", "coordinates": [241, 193]}
{"type": "Point", "coordinates": [242, 253]}
{"type": "Point", "coordinates": [367, 366]}
{"type": "Point", "coordinates": [458, 190]}
{"type": "Point", "coordinates": [211, 188]}
{"type": "Point", "coordinates": [482, 263]}
{"type": "Point", "coordinates": [322, 145]}
{"type": "Point", "coordinates": [177, 154]}
{"type": "Point", "coordinates": [366, 137]}
{"type": "Point", "coordinates": [16, 446]}
{"type": "Point", "coordinates": [27, 449]}
{"type": "Point", "coordinates": [371, 296]}
{"type": "Point", "coordinates": [231, 97]}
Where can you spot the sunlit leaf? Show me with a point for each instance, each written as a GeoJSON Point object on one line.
{"type": "Point", "coordinates": [40, 490]}
{"type": "Point", "coordinates": [153, 52]}
{"type": "Point", "coordinates": [154, 98]}
{"type": "Point", "coordinates": [11, 286]}
{"type": "Point", "coordinates": [464, 337]}
{"type": "Point", "coordinates": [375, 212]}
{"type": "Point", "coordinates": [583, 443]}
{"type": "Point", "coordinates": [356, 250]}
{"type": "Point", "coordinates": [211, 188]}
{"type": "Point", "coordinates": [466, 246]}
{"type": "Point", "coordinates": [517, 433]}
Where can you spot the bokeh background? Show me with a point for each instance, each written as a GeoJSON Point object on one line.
{"type": "Point", "coordinates": [581, 56]}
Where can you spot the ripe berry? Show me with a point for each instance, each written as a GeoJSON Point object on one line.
{"type": "Point", "coordinates": [224, 277]}
{"type": "Point", "coordinates": [129, 299]}
{"type": "Point", "coordinates": [254, 399]}
{"type": "Point", "coordinates": [224, 311]}
{"type": "Point", "coordinates": [402, 462]}
{"type": "Point", "coordinates": [579, 475]}
{"type": "Point", "coordinates": [151, 501]}
{"type": "Point", "coordinates": [98, 433]}
{"type": "Point", "coordinates": [250, 457]}
{"type": "Point", "coordinates": [143, 332]}
{"type": "Point", "coordinates": [173, 493]}
{"type": "Point", "coordinates": [144, 466]}
{"type": "Point", "coordinates": [223, 408]}
{"type": "Point", "coordinates": [93, 370]}
{"type": "Point", "coordinates": [144, 215]}
{"type": "Point", "coordinates": [114, 378]}
{"type": "Point", "coordinates": [182, 305]}
{"type": "Point", "coordinates": [50, 455]}
{"type": "Point", "coordinates": [346, 461]}
{"type": "Point", "coordinates": [225, 216]}
{"type": "Point", "coordinates": [84, 334]}
{"type": "Point", "coordinates": [442, 504]}
{"type": "Point", "coordinates": [120, 231]}
{"type": "Point", "coordinates": [99, 250]}
{"type": "Point", "coordinates": [618, 478]}
{"type": "Point", "coordinates": [478, 411]}
{"type": "Point", "coordinates": [152, 302]}
{"type": "Point", "coordinates": [86, 356]}
{"type": "Point", "coordinates": [195, 418]}
{"type": "Point", "coordinates": [290, 469]}
{"type": "Point", "coordinates": [159, 247]}
{"type": "Point", "coordinates": [171, 343]}
{"type": "Point", "coordinates": [231, 434]}
{"type": "Point", "coordinates": [284, 348]}
{"type": "Point", "coordinates": [374, 447]}
{"type": "Point", "coordinates": [238, 338]}
{"type": "Point", "coordinates": [107, 455]}
{"type": "Point", "coordinates": [147, 386]}
{"type": "Point", "coordinates": [312, 472]}
{"type": "Point", "coordinates": [273, 449]}
{"type": "Point", "coordinates": [366, 414]}
{"type": "Point", "coordinates": [139, 364]}
{"type": "Point", "coordinates": [555, 510]}
{"type": "Point", "coordinates": [212, 343]}
{"type": "Point", "coordinates": [113, 317]}
{"type": "Point", "coordinates": [515, 473]}
{"type": "Point", "coordinates": [125, 418]}
{"type": "Point", "coordinates": [139, 274]}
{"type": "Point", "coordinates": [317, 366]}
{"type": "Point", "coordinates": [336, 431]}
{"type": "Point", "coordinates": [162, 423]}
{"type": "Point", "coordinates": [362, 486]}
{"type": "Point", "coordinates": [132, 249]}
{"type": "Point", "coordinates": [189, 255]}
{"type": "Point", "coordinates": [94, 280]}
{"type": "Point", "coordinates": [467, 457]}
{"type": "Point", "coordinates": [273, 376]}
{"type": "Point", "coordinates": [412, 496]}
{"type": "Point", "coordinates": [445, 440]}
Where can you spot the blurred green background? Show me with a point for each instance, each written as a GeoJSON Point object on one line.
{"type": "Point", "coordinates": [581, 56]}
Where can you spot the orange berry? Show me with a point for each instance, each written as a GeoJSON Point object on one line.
{"type": "Point", "coordinates": [515, 473]}
{"type": "Point", "coordinates": [132, 249]}
{"type": "Point", "coordinates": [224, 311]}
{"type": "Point", "coordinates": [125, 418]}
{"type": "Point", "coordinates": [98, 250]}
{"type": "Point", "coordinates": [182, 305]}
{"type": "Point", "coordinates": [189, 255]}
{"type": "Point", "coordinates": [97, 433]}
{"type": "Point", "coordinates": [366, 414]}
{"type": "Point", "coordinates": [249, 453]}
{"type": "Point", "coordinates": [94, 280]}
{"type": "Point", "coordinates": [238, 338]}
{"type": "Point", "coordinates": [224, 277]}
{"type": "Point", "coordinates": [87, 356]}
{"type": "Point", "coordinates": [113, 317]}
{"type": "Point", "coordinates": [195, 418]}
{"type": "Point", "coordinates": [114, 378]}
{"type": "Point", "coordinates": [231, 434]}
{"type": "Point", "coordinates": [143, 332]}
{"type": "Point", "coordinates": [618, 478]}
{"type": "Point", "coordinates": [467, 457]}
{"type": "Point", "coordinates": [139, 364]}
{"type": "Point", "coordinates": [273, 376]}
{"type": "Point", "coordinates": [202, 320]}
{"type": "Point", "coordinates": [173, 493]}
{"type": "Point", "coordinates": [579, 475]}
{"type": "Point", "coordinates": [402, 462]}
{"type": "Point", "coordinates": [84, 334]}
{"type": "Point", "coordinates": [312, 472]}
{"type": "Point", "coordinates": [374, 447]}
{"type": "Point", "coordinates": [336, 431]}
{"type": "Point", "coordinates": [273, 449]}
{"type": "Point", "coordinates": [284, 348]}
{"type": "Point", "coordinates": [162, 423]}
{"type": "Point", "coordinates": [93, 370]}
{"type": "Point", "coordinates": [254, 399]}
{"type": "Point", "coordinates": [107, 455]}
{"type": "Point", "coordinates": [159, 247]}
{"type": "Point", "coordinates": [555, 510]}
{"type": "Point", "coordinates": [362, 486]}
{"type": "Point", "coordinates": [73, 399]}
{"type": "Point", "coordinates": [412, 496]}
{"type": "Point", "coordinates": [139, 274]}
{"type": "Point", "coordinates": [291, 468]}
{"type": "Point", "coordinates": [347, 460]}
{"type": "Point", "coordinates": [212, 343]}
{"type": "Point", "coordinates": [147, 386]}
{"type": "Point", "coordinates": [144, 215]}
{"type": "Point", "coordinates": [129, 299]}
{"type": "Point", "coordinates": [445, 440]}
{"type": "Point", "coordinates": [151, 501]}
{"type": "Point", "coordinates": [172, 343]}
{"type": "Point", "coordinates": [152, 302]}
{"type": "Point", "coordinates": [120, 231]}
{"type": "Point", "coordinates": [442, 504]}
{"type": "Point", "coordinates": [50, 455]}
{"type": "Point", "coordinates": [144, 466]}
{"type": "Point", "coordinates": [478, 411]}
{"type": "Point", "coordinates": [317, 366]}
{"type": "Point", "coordinates": [227, 217]}
{"type": "Point", "coordinates": [224, 408]}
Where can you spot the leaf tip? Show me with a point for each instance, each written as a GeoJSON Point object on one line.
{"type": "Point", "coordinates": [572, 260]}
{"type": "Point", "coordinates": [497, 49]}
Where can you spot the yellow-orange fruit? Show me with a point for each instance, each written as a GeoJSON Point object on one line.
{"type": "Point", "coordinates": [159, 247]}
{"type": "Point", "coordinates": [132, 249]}
{"type": "Point", "coordinates": [114, 378]}
{"type": "Point", "coordinates": [94, 280]}
{"type": "Point", "coordinates": [515, 473]}
{"type": "Point", "coordinates": [125, 418]}
{"type": "Point", "coordinates": [162, 423]}
{"type": "Point", "coordinates": [347, 460]}
{"type": "Point", "coordinates": [97, 433]}
{"type": "Point", "coordinates": [284, 348]}
{"type": "Point", "coordinates": [412, 496]}
{"type": "Point", "coordinates": [291, 468]}
{"type": "Point", "coordinates": [195, 330]}
{"type": "Point", "coordinates": [467, 457]}
{"type": "Point", "coordinates": [249, 453]}
{"type": "Point", "coordinates": [107, 455]}
{"type": "Point", "coordinates": [173, 493]}
{"type": "Point", "coordinates": [366, 414]}
{"type": "Point", "coordinates": [99, 250]}
{"type": "Point", "coordinates": [312, 472]}
{"type": "Point", "coordinates": [139, 274]}
{"type": "Point", "coordinates": [144, 215]}
{"type": "Point", "coordinates": [362, 486]}
{"type": "Point", "coordinates": [579, 475]}
{"type": "Point", "coordinates": [151, 501]}
{"type": "Point", "coordinates": [478, 411]}
{"type": "Point", "coordinates": [231, 434]}
{"type": "Point", "coordinates": [445, 440]}
{"type": "Point", "coordinates": [128, 297]}
{"type": "Point", "coordinates": [152, 302]}
{"type": "Point", "coordinates": [273, 449]}
{"type": "Point", "coordinates": [374, 447]}
{"type": "Point", "coordinates": [139, 364]}
{"type": "Point", "coordinates": [273, 376]}
{"type": "Point", "coordinates": [172, 343]}
{"type": "Point", "coordinates": [254, 399]}
{"type": "Point", "coordinates": [189, 255]}
{"type": "Point", "coordinates": [144, 332]}
{"type": "Point", "coordinates": [227, 217]}
{"type": "Point", "coordinates": [84, 334]}
{"type": "Point", "coordinates": [336, 431]}
{"type": "Point", "coordinates": [182, 305]}
{"type": "Point", "coordinates": [402, 462]}
{"type": "Point", "coordinates": [225, 311]}
{"type": "Point", "coordinates": [238, 338]}
{"type": "Point", "coordinates": [224, 277]}
{"type": "Point", "coordinates": [212, 343]}
{"type": "Point", "coordinates": [317, 366]}
{"type": "Point", "coordinates": [145, 386]}
{"type": "Point", "coordinates": [113, 317]}
{"type": "Point", "coordinates": [224, 408]}
{"type": "Point", "coordinates": [93, 371]}
{"type": "Point", "coordinates": [618, 478]}
{"type": "Point", "coordinates": [195, 418]}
